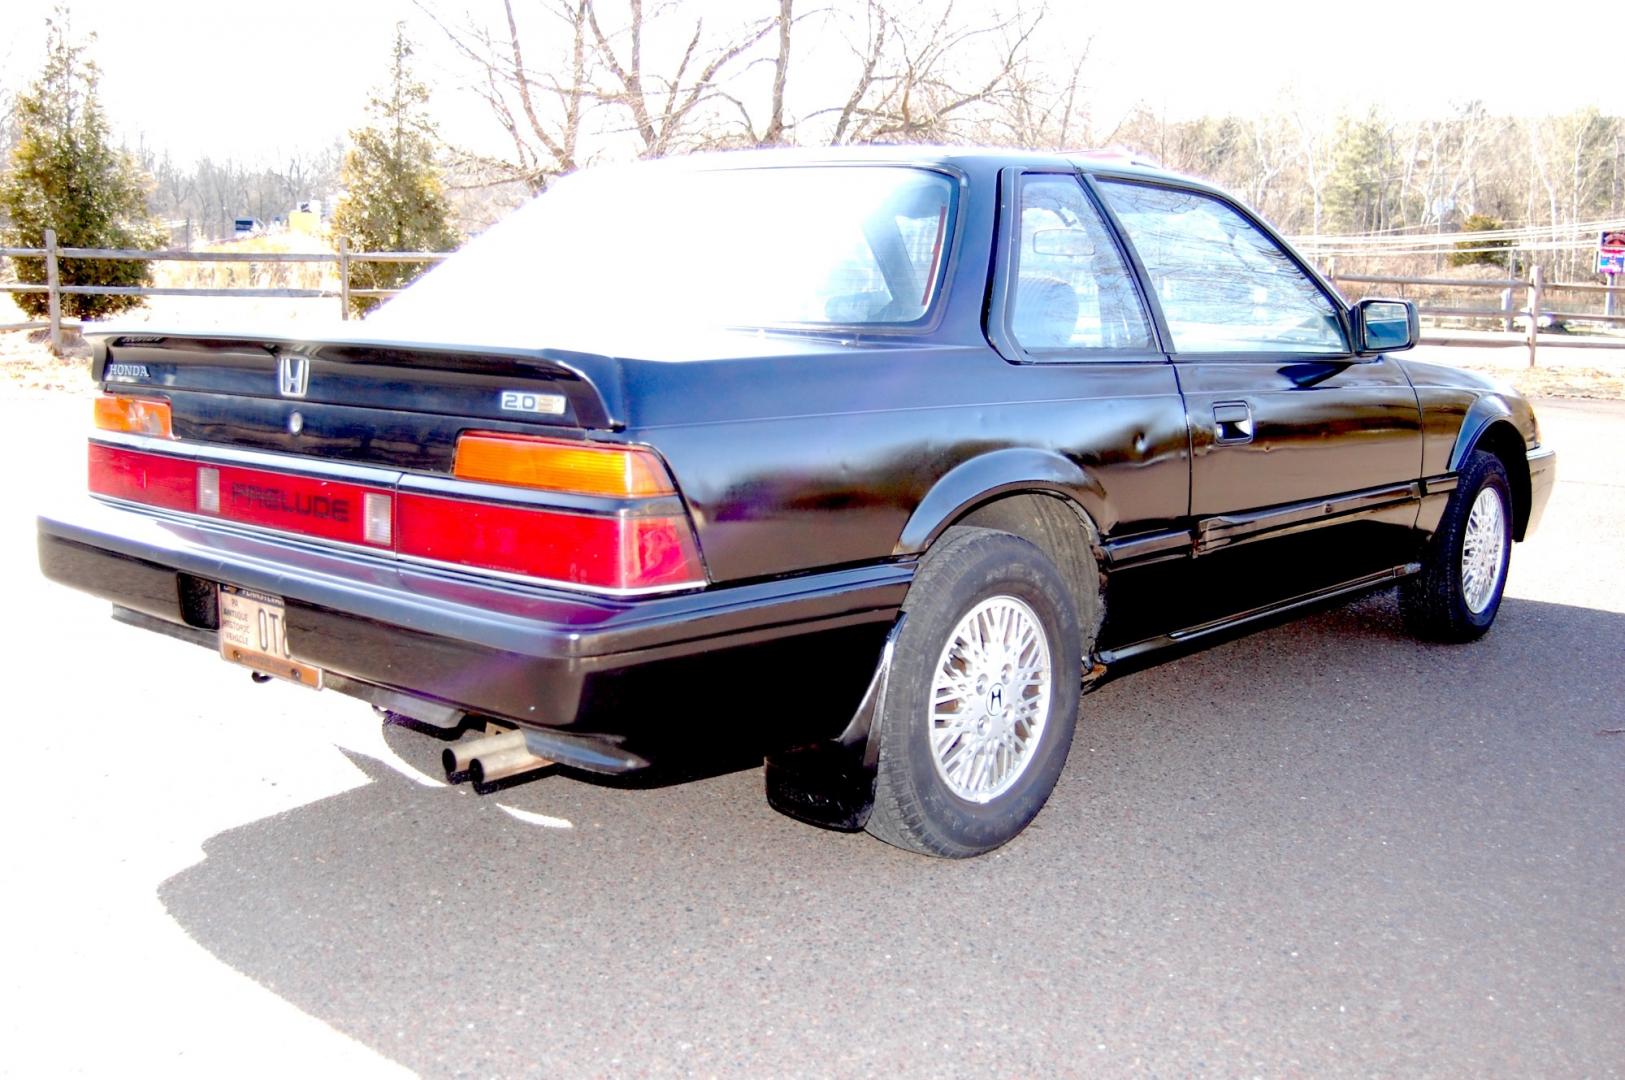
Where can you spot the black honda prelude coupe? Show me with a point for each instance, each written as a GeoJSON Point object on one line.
{"type": "Point", "coordinates": [868, 462]}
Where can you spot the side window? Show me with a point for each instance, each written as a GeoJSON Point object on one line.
{"type": "Point", "coordinates": [1224, 286]}
{"type": "Point", "coordinates": [1073, 290]}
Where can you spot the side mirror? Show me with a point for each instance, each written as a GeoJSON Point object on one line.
{"type": "Point", "coordinates": [1382, 326]}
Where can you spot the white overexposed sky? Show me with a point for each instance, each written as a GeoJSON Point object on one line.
{"type": "Point", "coordinates": [251, 80]}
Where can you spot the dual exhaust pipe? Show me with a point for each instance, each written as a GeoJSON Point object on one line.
{"type": "Point", "coordinates": [492, 757]}
{"type": "Point", "coordinates": [502, 751]}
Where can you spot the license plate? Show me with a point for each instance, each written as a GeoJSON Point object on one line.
{"type": "Point", "coordinates": [254, 633]}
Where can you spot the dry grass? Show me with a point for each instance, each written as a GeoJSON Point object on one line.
{"type": "Point", "coordinates": [253, 275]}
{"type": "Point", "coordinates": [29, 367]}
{"type": "Point", "coordinates": [1559, 382]}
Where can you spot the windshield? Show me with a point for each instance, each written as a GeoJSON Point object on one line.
{"type": "Point", "coordinates": [803, 246]}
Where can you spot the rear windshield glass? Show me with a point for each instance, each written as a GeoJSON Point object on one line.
{"type": "Point", "coordinates": [804, 246]}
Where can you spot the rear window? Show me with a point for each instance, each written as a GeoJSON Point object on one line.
{"type": "Point", "coordinates": [799, 246]}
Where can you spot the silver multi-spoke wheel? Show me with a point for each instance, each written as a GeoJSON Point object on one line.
{"type": "Point", "coordinates": [990, 699]}
{"type": "Point", "coordinates": [1457, 592]}
{"type": "Point", "coordinates": [1483, 551]}
{"type": "Point", "coordinates": [981, 695]}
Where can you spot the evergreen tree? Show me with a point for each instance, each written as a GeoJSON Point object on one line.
{"type": "Point", "coordinates": [1465, 255]}
{"type": "Point", "coordinates": [1358, 188]}
{"type": "Point", "coordinates": [394, 199]}
{"type": "Point", "coordinates": [65, 174]}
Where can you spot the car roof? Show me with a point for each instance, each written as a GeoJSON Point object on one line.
{"type": "Point", "coordinates": [966, 158]}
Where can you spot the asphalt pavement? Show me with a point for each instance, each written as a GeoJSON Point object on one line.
{"type": "Point", "coordinates": [1322, 849]}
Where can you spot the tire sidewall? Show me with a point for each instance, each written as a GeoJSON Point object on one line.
{"type": "Point", "coordinates": [1487, 473]}
{"type": "Point", "coordinates": [1004, 565]}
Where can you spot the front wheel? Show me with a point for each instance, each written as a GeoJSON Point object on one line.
{"type": "Point", "coordinates": [1464, 569]}
{"type": "Point", "coordinates": [981, 698]}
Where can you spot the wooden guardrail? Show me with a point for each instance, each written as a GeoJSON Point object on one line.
{"type": "Point", "coordinates": [1535, 292]}
{"type": "Point", "coordinates": [344, 258]}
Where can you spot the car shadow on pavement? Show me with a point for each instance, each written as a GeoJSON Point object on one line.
{"type": "Point", "coordinates": [1316, 846]}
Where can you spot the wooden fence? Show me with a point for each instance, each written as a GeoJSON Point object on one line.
{"type": "Point", "coordinates": [344, 258]}
{"type": "Point", "coordinates": [1517, 299]}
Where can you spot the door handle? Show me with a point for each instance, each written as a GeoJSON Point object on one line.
{"type": "Point", "coordinates": [1233, 421]}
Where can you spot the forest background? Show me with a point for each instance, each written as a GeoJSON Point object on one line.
{"type": "Point", "coordinates": [1443, 123]}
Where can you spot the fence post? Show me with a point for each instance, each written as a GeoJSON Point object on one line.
{"type": "Point", "coordinates": [53, 282]}
{"type": "Point", "coordinates": [344, 278]}
{"type": "Point", "coordinates": [1535, 289]}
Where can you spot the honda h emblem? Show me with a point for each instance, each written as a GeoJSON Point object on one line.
{"type": "Point", "coordinates": [995, 700]}
{"type": "Point", "coordinates": [293, 375]}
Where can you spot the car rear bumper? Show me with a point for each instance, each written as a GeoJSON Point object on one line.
{"type": "Point", "coordinates": [536, 656]}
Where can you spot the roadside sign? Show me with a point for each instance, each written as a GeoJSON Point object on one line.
{"type": "Point", "coordinates": [1611, 252]}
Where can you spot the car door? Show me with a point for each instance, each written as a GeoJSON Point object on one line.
{"type": "Point", "coordinates": [1304, 456]}
{"type": "Point", "coordinates": [1068, 316]}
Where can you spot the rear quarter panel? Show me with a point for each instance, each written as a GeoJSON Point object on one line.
{"type": "Point", "coordinates": [792, 463]}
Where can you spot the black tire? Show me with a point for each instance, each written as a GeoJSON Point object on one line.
{"type": "Point", "coordinates": [915, 806]}
{"type": "Point", "coordinates": [1435, 603]}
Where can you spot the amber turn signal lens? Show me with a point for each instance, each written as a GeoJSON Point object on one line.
{"type": "Point", "coordinates": [133, 415]}
{"type": "Point", "coordinates": [622, 472]}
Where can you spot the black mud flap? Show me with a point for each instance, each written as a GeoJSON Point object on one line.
{"type": "Point", "coordinates": [823, 784]}
{"type": "Point", "coordinates": [831, 784]}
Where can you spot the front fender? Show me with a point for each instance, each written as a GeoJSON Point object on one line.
{"type": "Point", "coordinates": [1484, 411]}
{"type": "Point", "coordinates": [989, 475]}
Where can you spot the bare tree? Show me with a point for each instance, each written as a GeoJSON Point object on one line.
{"type": "Point", "coordinates": [918, 73]}
{"type": "Point", "coordinates": [543, 111]}
{"type": "Point", "coordinates": [1542, 177]}
{"type": "Point", "coordinates": [781, 70]}
{"type": "Point", "coordinates": [778, 128]}
{"type": "Point", "coordinates": [1314, 158]}
{"type": "Point", "coordinates": [1039, 110]}
{"type": "Point", "coordinates": [201, 200]}
{"type": "Point", "coordinates": [571, 81]}
{"type": "Point", "coordinates": [306, 173]}
{"type": "Point", "coordinates": [594, 82]}
{"type": "Point", "coordinates": [1573, 159]}
{"type": "Point", "coordinates": [1271, 160]}
{"type": "Point", "coordinates": [663, 107]}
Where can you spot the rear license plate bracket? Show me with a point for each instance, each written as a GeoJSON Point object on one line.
{"type": "Point", "coordinates": [254, 633]}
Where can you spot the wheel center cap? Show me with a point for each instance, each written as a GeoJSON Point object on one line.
{"type": "Point", "coordinates": [998, 700]}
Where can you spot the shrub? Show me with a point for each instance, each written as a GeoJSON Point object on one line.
{"type": "Point", "coordinates": [394, 199]}
{"type": "Point", "coordinates": [66, 175]}
{"type": "Point", "coordinates": [1465, 255]}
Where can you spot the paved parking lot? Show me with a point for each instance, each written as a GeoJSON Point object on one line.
{"type": "Point", "coordinates": [1319, 850]}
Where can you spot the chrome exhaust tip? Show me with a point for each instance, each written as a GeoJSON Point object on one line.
{"type": "Point", "coordinates": [460, 755]}
{"type": "Point", "coordinates": [489, 768]}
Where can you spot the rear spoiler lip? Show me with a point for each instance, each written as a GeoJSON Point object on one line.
{"type": "Point", "coordinates": [595, 383]}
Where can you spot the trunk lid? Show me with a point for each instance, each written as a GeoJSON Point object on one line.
{"type": "Point", "coordinates": [379, 402]}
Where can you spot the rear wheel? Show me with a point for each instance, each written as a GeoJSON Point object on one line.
{"type": "Point", "coordinates": [981, 698]}
{"type": "Point", "coordinates": [1457, 594]}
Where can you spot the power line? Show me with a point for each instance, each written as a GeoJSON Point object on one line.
{"type": "Point", "coordinates": [1586, 231]}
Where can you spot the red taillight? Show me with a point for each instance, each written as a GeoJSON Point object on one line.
{"type": "Point", "coordinates": [636, 547]}
{"type": "Point", "coordinates": [304, 505]}
{"type": "Point", "coordinates": [611, 551]}
{"type": "Point", "coordinates": [153, 479]}
{"type": "Point", "coordinates": [624, 550]}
